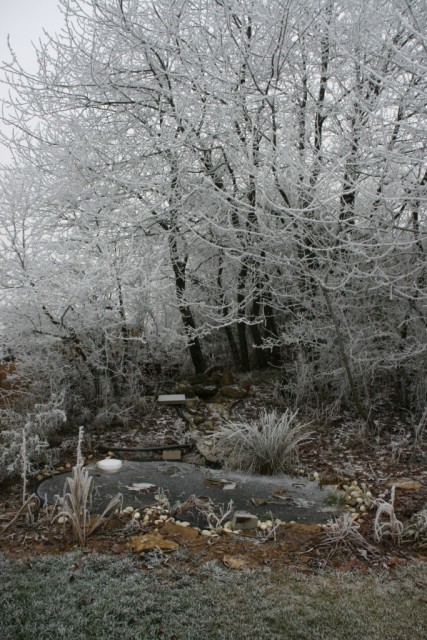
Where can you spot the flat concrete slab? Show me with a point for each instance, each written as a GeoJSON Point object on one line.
{"type": "Point", "coordinates": [284, 497]}
{"type": "Point", "coordinates": [172, 454]}
{"type": "Point", "coordinates": [175, 398]}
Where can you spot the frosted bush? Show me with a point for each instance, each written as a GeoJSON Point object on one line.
{"type": "Point", "coordinates": [41, 423]}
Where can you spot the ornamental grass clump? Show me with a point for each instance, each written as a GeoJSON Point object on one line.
{"type": "Point", "coordinates": [268, 445]}
{"type": "Point", "coordinates": [343, 533]}
{"type": "Point", "coordinates": [416, 529]}
{"type": "Point", "coordinates": [386, 523]}
{"type": "Point", "coordinates": [77, 501]}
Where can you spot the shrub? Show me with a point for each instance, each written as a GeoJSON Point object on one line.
{"type": "Point", "coordinates": [268, 445]}
{"type": "Point", "coordinates": [40, 424]}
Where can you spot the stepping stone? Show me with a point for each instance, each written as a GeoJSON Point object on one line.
{"type": "Point", "coordinates": [171, 454]}
{"type": "Point", "coordinates": [176, 398]}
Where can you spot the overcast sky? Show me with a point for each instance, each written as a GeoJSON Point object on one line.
{"type": "Point", "coordinates": [24, 21]}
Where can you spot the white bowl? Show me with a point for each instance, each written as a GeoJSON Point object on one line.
{"type": "Point", "coordinates": [110, 465]}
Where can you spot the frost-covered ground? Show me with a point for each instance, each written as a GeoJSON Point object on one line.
{"type": "Point", "coordinates": [76, 596]}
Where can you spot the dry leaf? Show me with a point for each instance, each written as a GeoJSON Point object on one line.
{"type": "Point", "coordinates": [140, 486]}
{"type": "Point", "coordinates": [150, 541]}
{"type": "Point", "coordinates": [234, 562]}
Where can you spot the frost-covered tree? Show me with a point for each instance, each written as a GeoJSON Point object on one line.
{"type": "Point", "coordinates": [238, 176]}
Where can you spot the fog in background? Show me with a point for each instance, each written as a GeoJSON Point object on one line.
{"type": "Point", "coordinates": [23, 21]}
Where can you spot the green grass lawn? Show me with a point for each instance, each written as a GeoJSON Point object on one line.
{"type": "Point", "coordinates": [77, 596]}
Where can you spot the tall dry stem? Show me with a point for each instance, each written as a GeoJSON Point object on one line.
{"type": "Point", "coordinates": [386, 523]}
{"type": "Point", "coordinates": [77, 500]}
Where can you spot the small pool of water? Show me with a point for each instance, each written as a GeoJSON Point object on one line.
{"type": "Point", "coordinates": [285, 497]}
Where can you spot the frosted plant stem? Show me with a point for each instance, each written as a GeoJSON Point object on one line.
{"type": "Point", "coordinates": [24, 464]}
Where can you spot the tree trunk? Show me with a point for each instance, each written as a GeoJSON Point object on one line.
{"type": "Point", "coordinates": [241, 313]}
{"type": "Point", "coordinates": [179, 267]}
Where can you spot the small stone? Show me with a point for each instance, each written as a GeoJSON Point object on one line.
{"type": "Point", "coordinates": [128, 510]}
{"type": "Point", "coordinates": [206, 533]}
{"type": "Point", "coordinates": [62, 520]}
{"type": "Point", "coordinates": [244, 520]}
{"type": "Point", "coordinates": [136, 515]}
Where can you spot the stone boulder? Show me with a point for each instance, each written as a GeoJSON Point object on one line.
{"type": "Point", "coordinates": [234, 391]}
{"type": "Point", "coordinates": [205, 390]}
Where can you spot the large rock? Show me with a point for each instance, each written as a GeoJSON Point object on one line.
{"type": "Point", "coordinates": [205, 390]}
{"type": "Point", "coordinates": [233, 391]}
{"type": "Point", "coordinates": [207, 448]}
{"type": "Point", "coordinates": [199, 378]}
{"type": "Point", "coordinates": [185, 387]}
{"type": "Point", "coordinates": [226, 378]}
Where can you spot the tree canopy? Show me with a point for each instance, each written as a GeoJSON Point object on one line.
{"type": "Point", "coordinates": [236, 180]}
